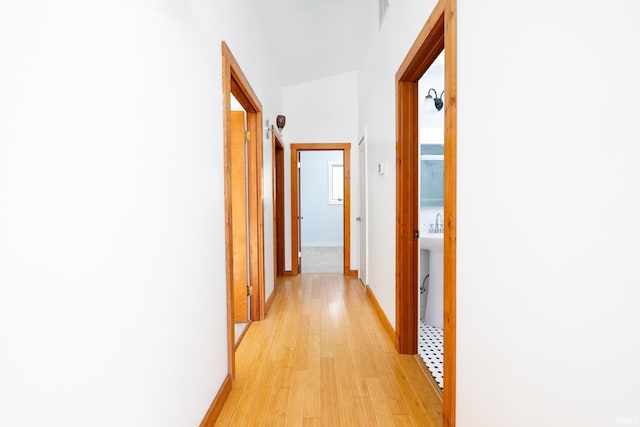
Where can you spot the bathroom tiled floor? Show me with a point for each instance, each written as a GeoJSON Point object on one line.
{"type": "Point", "coordinates": [430, 349]}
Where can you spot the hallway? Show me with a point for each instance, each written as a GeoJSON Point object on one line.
{"type": "Point", "coordinates": [321, 357]}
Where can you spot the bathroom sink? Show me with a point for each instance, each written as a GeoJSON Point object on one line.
{"type": "Point", "coordinates": [432, 241]}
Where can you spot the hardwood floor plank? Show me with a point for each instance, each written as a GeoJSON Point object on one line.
{"type": "Point", "coordinates": [329, 393]}
{"type": "Point", "coordinates": [365, 414]}
{"type": "Point", "coordinates": [313, 402]}
{"type": "Point", "coordinates": [322, 357]}
{"type": "Point", "coordinates": [311, 422]}
{"type": "Point", "coordinates": [295, 405]}
{"type": "Point", "coordinates": [405, 421]}
{"type": "Point", "coordinates": [265, 396]}
{"type": "Point", "coordinates": [379, 402]}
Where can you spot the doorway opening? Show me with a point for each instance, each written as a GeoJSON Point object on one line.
{"type": "Point", "coordinates": [321, 200]}
{"type": "Point", "coordinates": [345, 194]}
{"type": "Point", "coordinates": [438, 34]}
{"type": "Point", "coordinates": [431, 109]}
{"type": "Point", "coordinates": [277, 158]}
{"type": "Point", "coordinates": [235, 83]}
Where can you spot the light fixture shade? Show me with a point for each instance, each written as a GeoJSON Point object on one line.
{"type": "Point", "coordinates": [426, 104]}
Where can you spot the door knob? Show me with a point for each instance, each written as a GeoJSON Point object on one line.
{"type": "Point", "coordinates": [359, 218]}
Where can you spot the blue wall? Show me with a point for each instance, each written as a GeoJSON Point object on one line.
{"type": "Point", "coordinates": [322, 223]}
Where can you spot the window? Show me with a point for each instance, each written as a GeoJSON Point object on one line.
{"type": "Point", "coordinates": [431, 175]}
{"type": "Point", "coordinates": [336, 183]}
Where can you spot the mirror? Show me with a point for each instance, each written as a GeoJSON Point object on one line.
{"type": "Point", "coordinates": [431, 175]}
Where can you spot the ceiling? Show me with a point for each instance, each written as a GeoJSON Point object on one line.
{"type": "Point", "coordinates": [313, 39]}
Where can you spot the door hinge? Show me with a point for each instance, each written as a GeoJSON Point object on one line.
{"type": "Point", "coordinates": [299, 254]}
{"type": "Point", "coordinates": [416, 234]}
{"type": "Point", "coordinates": [249, 291]}
{"type": "Point", "coordinates": [247, 136]}
{"type": "Point", "coordinates": [298, 165]}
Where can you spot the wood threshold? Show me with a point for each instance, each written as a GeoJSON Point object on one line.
{"type": "Point", "coordinates": [383, 317]}
{"type": "Point", "coordinates": [345, 147]}
{"type": "Point", "coordinates": [352, 273]}
{"type": "Point", "coordinates": [430, 379]}
{"type": "Point", "coordinates": [438, 33]}
{"type": "Point", "coordinates": [213, 413]}
{"type": "Point", "coordinates": [289, 273]}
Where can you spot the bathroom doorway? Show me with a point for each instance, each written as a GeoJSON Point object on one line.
{"type": "Point", "coordinates": [438, 34]}
{"type": "Point", "coordinates": [431, 110]}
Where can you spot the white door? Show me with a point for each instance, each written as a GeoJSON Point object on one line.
{"type": "Point", "coordinates": [362, 210]}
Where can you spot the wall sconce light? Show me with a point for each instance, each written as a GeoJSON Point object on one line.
{"type": "Point", "coordinates": [280, 121]}
{"type": "Point", "coordinates": [437, 101]}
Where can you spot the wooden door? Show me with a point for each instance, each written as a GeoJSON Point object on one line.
{"type": "Point", "coordinates": [239, 215]}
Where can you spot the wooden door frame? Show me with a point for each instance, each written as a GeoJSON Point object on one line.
{"type": "Point", "coordinates": [234, 82]}
{"type": "Point", "coordinates": [346, 213]}
{"type": "Point", "coordinates": [277, 162]}
{"type": "Point", "coordinates": [438, 33]}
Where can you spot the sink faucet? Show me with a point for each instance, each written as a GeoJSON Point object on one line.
{"type": "Point", "coordinates": [439, 226]}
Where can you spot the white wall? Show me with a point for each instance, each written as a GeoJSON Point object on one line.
{"type": "Point", "coordinates": [548, 170]}
{"type": "Point", "coordinates": [323, 111]}
{"type": "Point", "coordinates": [547, 293]}
{"type": "Point", "coordinates": [322, 223]}
{"type": "Point", "coordinates": [112, 263]}
{"type": "Point", "coordinates": [385, 51]}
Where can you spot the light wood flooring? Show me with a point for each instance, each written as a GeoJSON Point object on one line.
{"type": "Point", "coordinates": [322, 358]}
